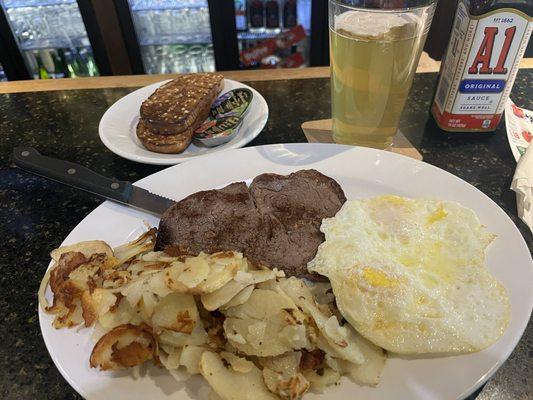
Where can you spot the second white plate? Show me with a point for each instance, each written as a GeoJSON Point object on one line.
{"type": "Point", "coordinates": [117, 127]}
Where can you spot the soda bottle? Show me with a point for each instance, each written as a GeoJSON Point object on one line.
{"type": "Point", "coordinates": [272, 16]}
{"type": "Point", "coordinates": [290, 18]}
{"type": "Point", "coordinates": [488, 40]}
{"type": "Point", "coordinates": [256, 15]}
{"type": "Point", "coordinates": [240, 15]}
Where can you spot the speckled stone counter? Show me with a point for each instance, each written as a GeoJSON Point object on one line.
{"type": "Point", "coordinates": [36, 214]}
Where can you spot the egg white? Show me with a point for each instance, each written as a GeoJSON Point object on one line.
{"type": "Point", "coordinates": [410, 275]}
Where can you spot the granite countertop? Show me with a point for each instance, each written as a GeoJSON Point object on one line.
{"type": "Point", "coordinates": [36, 214]}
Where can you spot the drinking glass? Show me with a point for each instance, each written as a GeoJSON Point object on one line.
{"type": "Point", "coordinates": [375, 46]}
{"type": "Point", "coordinates": [195, 58]}
{"type": "Point", "coordinates": [180, 59]}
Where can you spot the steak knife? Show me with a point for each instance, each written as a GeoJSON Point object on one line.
{"type": "Point", "coordinates": [83, 178]}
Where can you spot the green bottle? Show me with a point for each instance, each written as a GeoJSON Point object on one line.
{"type": "Point", "coordinates": [43, 73]}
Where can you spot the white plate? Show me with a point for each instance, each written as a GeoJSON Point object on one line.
{"type": "Point", "coordinates": [117, 127]}
{"type": "Point", "coordinates": [362, 173]}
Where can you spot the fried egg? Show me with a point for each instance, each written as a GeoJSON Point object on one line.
{"type": "Point", "coordinates": [410, 275]}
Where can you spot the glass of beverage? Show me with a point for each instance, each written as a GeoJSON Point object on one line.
{"type": "Point", "coordinates": [375, 46]}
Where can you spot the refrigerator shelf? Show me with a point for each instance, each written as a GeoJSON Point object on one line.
{"type": "Point", "coordinates": [261, 35]}
{"type": "Point", "coordinates": [55, 43]}
{"type": "Point", "coordinates": [32, 3]}
{"type": "Point", "coordinates": [175, 39]}
{"type": "Point", "coordinates": [168, 7]}
{"type": "Point", "coordinates": [256, 35]}
{"type": "Point", "coordinates": [151, 5]}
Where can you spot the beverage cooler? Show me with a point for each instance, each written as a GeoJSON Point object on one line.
{"type": "Point", "coordinates": [51, 38]}
{"type": "Point", "coordinates": [68, 38]}
{"type": "Point", "coordinates": [169, 36]}
{"type": "Point", "coordinates": [261, 23]}
{"type": "Point", "coordinates": [173, 35]}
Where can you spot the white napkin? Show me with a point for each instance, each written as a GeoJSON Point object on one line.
{"type": "Point", "coordinates": [519, 126]}
{"type": "Point", "coordinates": [523, 186]}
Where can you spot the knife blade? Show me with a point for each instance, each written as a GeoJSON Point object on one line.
{"type": "Point", "coordinates": [80, 177]}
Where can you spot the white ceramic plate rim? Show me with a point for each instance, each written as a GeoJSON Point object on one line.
{"type": "Point", "coordinates": [510, 249]}
{"type": "Point", "coordinates": [124, 113]}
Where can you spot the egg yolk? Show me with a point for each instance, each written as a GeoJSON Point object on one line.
{"type": "Point", "coordinates": [377, 278]}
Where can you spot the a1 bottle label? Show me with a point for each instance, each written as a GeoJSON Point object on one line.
{"type": "Point", "coordinates": [479, 69]}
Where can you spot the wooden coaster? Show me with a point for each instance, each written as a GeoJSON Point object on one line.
{"type": "Point", "coordinates": [319, 131]}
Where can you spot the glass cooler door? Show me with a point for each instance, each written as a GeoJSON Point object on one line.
{"type": "Point", "coordinates": [259, 21]}
{"type": "Point", "coordinates": [174, 35]}
{"type": "Point", "coordinates": [52, 38]}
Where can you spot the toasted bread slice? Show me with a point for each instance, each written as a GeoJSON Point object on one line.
{"type": "Point", "coordinates": [170, 144]}
{"type": "Point", "coordinates": [176, 106]}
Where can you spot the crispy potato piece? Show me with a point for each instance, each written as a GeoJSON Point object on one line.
{"type": "Point", "coordinates": [231, 385]}
{"type": "Point", "coordinates": [123, 347]}
{"type": "Point", "coordinates": [176, 312]}
{"type": "Point", "coordinates": [282, 375]}
{"type": "Point", "coordinates": [87, 248]}
{"type": "Point", "coordinates": [256, 327]}
{"type": "Point", "coordinates": [73, 274]}
{"type": "Point", "coordinates": [340, 340]}
{"type": "Point", "coordinates": [96, 304]}
{"type": "Point", "coordinates": [142, 244]}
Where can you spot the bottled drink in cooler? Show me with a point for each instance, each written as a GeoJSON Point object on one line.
{"type": "Point", "coordinates": [43, 73]}
{"type": "Point", "coordinates": [256, 15]}
{"type": "Point", "coordinates": [240, 15]}
{"type": "Point", "coordinates": [272, 15]}
{"type": "Point", "coordinates": [290, 19]}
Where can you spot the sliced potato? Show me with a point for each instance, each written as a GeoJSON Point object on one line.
{"type": "Point", "coordinates": [370, 371]}
{"type": "Point", "coordinates": [123, 347]}
{"type": "Point", "coordinates": [328, 377]}
{"type": "Point", "coordinates": [195, 272]}
{"type": "Point", "coordinates": [87, 248]}
{"type": "Point", "coordinates": [238, 364]}
{"type": "Point", "coordinates": [337, 337]}
{"type": "Point", "coordinates": [96, 304]}
{"type": "Point", "coordinates": [122, 314]}
{"type": "Point", "coordinates": [190, 358]}
{"type": "Point", "coordinates": [231, 385]}
{"type": "Point", "coordinates": [220, 274]}
{"type": "Point", "coordinates": [282, 375]}
{"type": "Point", "coordinates": [254, 327]}
{"type": "Point", "coordinates": [197, 337]}
{"type": "Point", "coordinates": [291, 388]}
{"type": "Point", "coordinates": [176, 312]}
{"type": "Point", "coordinates": [173, 358]}
{"type": "Point", "coordinates": [240, 298]}
{"type": "Point", "coordinates": [223, 295]}
{"type": "Point", "coordinates": [142, 244]}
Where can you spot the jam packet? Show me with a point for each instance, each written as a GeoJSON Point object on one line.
{"type": "Point", "coordinates": [519, 126]}
{"type": "Point", "coordinates": [225, 119]}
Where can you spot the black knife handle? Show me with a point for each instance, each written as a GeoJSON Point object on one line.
{"type": "Point", "coordinates": [71, 174]}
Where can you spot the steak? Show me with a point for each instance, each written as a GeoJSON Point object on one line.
{"type": "Point", "coordinates": [275, 222]}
